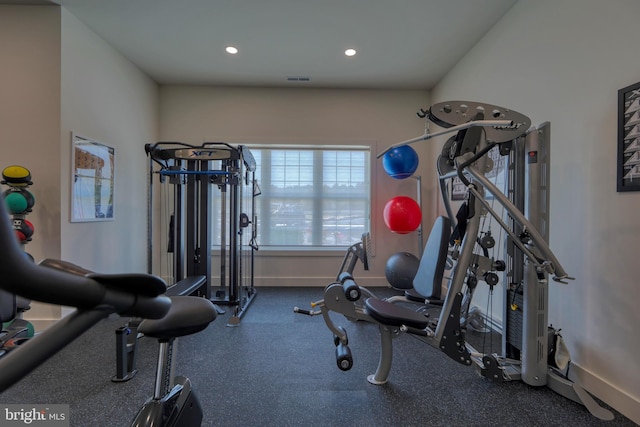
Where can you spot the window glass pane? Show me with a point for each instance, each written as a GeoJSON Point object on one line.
{"type": "Point", "coordinates": [291, 169]}
{"type": "Point", "coordinates": [310, 197]}
{"type": "Point", "coordinates": [343, 221]}
{"type": "Point", "coordinates": [289, 223]}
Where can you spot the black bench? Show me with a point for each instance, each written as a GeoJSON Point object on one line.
{"type": "Point", "coordinates": [426, 288]}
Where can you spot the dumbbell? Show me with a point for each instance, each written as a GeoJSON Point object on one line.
{"type": "Point", "coordinates": [16, 176]}
{"type": "Point", "coordinates": [19, 201]}
{"type": "Point", "coordinates": [23, 228]}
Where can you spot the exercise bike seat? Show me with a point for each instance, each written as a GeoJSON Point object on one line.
{"type": "Point", "coordinates": [187, 315]}
{"type": "Point", "coordinates": [394, 315]}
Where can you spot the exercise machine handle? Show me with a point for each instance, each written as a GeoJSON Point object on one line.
{"type": "Point", "coordinates": [467, 125]}
{"type": "Point", "coordinates": [305, 312]}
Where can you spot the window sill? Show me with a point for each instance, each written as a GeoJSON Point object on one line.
{"type": "Point", "coordinates": [284, 251]}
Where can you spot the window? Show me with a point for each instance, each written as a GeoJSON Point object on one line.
{"type": "Point", "coordinates": [311, 197]}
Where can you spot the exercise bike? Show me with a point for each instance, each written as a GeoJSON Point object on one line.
{"type": "Point", "coordinates": [173, 402]}
{"type": "Point", "coordinates": [95, 297]}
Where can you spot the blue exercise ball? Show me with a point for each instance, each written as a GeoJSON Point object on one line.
{"type": "Point", "coordinates": [400, 162]}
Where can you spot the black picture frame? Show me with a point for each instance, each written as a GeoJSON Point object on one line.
{"type": "Point", "coordinates": [629, 138]}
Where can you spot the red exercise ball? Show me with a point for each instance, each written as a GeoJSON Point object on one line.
{"type": "Point", "coordinates": [402, 215]}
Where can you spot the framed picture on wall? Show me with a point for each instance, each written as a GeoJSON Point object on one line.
{"type": "Point", "coordinates": [629, 138]}
{"type": "Point", "coordinates": [92, 180]}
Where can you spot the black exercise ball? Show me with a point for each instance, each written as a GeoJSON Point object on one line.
{"type": "Point", "coordinates": [400, 270]}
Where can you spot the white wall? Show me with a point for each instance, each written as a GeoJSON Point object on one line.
{"type": "Point", "coordinates": [563, 62]}
{"type": "Point", "coordinates": [108, 99]}
{"type": "Point", "coordinates": [30, 111]}
{"type": "Point", "coordinates": [30, 118]}
{"type": "Point", "coordinates": [57, 76]}
{"type": "Point", "coordinates": [239, 115]}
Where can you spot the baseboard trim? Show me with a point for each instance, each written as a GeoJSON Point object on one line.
{"type": "Point", "coordinates": [313, 281]}
{"type": "Point", "coordinates": [619, 400]}
{"type": "Point", "coordinates": [622, 402]}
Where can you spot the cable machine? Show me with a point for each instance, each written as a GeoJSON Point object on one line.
{"type": "Point", "coordinates": [525, 335]}
{"type": "Point", "coordinates": [532, 351]}
{"type": "Point", "coordinates": [194, 172]}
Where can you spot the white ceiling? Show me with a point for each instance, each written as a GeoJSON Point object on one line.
{"type": "Point", "coordinates": [401, 44]}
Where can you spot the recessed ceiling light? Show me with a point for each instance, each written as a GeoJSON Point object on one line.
{"type": "Point", "coordinates": [232, 50]}
{"type": "Point", "coordinates": [350, 52]}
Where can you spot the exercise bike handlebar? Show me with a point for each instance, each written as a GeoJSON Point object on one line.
{"type": "Point", "coordinates": [57, 282]}
{"type": "Point", "coordinates": [62, 283]}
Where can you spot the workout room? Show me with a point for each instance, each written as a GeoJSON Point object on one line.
{"type": "Point", "coordinates": [266, 183]}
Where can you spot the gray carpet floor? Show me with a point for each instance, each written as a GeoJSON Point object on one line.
{"type": "Point", "coordinates": [278, 368]}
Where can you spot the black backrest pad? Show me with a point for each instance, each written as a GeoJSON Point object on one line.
{"type": "Point", "coordinates": [428, 280]}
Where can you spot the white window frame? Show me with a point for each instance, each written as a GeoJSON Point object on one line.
{"type": "Point", "coordinates": [312, 250]}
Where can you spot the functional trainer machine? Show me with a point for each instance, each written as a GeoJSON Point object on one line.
{"type": "Point", "coordinates": [194, 171]}
{"type": "Point", "coordinates": [532, 351]}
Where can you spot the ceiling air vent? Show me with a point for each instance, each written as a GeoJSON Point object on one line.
{"type": "Point", "coordinates": [298, 79]}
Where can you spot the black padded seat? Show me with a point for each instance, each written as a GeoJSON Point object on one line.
{"type": "Point", "coordinates": [186, 316]}
{"type": "Point", "coordinates": [413, 296]}
{"type": "Point", "coordinates": [394, 315]}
